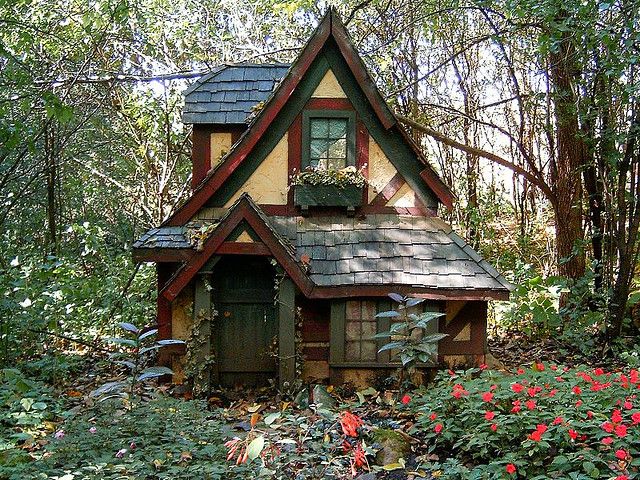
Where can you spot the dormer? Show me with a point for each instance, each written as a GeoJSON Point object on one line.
{"type": "Point", "coordinates": [220, 105]}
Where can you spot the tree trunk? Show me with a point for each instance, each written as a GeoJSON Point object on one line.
{"type": "Point", "coordinates": [566, 167]}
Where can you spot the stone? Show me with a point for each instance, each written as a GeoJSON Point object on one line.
{"type": "Point", "coordinates": [393, 446]}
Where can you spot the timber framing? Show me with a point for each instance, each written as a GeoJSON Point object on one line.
{"type": "Point", "coordinates": [332, 38]}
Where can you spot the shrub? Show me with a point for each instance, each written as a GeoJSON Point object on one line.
{"type": "Point", "coordinates": [544, 422]}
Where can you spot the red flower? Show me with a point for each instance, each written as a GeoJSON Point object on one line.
{"type": "Point", "coordinates": [531, 404]}
{"type": "Point", "coordinates": [558, 421]}
{"type": "Point", "coordinates": [520, 371]}
{"type": "Point", "coordinates": [536, 436]}
{"type": "Point", "coordinates": [553, 367]}
{"type": "Point", "coordinates": [516, 406]}
{"type": "Point", "coordinates": [484, 366]}
{"type": "Point", "coordinates": [635, 417]}
{"type": "Point", "coordinates": [608, 427]}
{"type": "Point", "coordinates": [493, 387]}
{"type": "Point", "coordinates": [489, 415]}
{"type": "Point", "coordinates": [589, 414]}
{"type": "Point", "coordinates": [577, 390]}
{"type": "Point", "coordinates": [487, 397]}
{"type": "Point", "coordinates": [541, 428]}
{"type": "Point", "coordinates": [573, 434]}
{"type": "Point", "coordinates": [578, 403]}
{"type": "Point", "coordinates": [494, 426]}
{"type": "Point", "coordinates": [406, 399]}
{"type": "Point", "coordinates": [616, 417]}
{"type": "Point", "coordinates": [539, 367]}
{"type": "Point", "coordinates": [349, 423]}
{"type": "Point", "coordinates": [432, 416]}
{"type": "Point", "coordinates": [510, 468]}
{"type": "Point", "coordinates": [607, 440]}
{"type": "Point", "coordinates": [621, 431]}
{"type": "Point", "coordinates": [359, 458]}
{"type": "Point", "coordinates": [598, 371]}
{"type": "Point", "coordinates": [458, 391]}
{"type": "Point", "coordinates": [628, 405]}
{"type": "Point", "coordinates": [517, 388]}
{"type": "Point", "coordinates": [438, 428]}
{"type": "Point", "coordinates": [621, 454]}
{"type": "Point", "coordinates": [622, 477]}
{"type": "Point", "coordinates": [552, 393]}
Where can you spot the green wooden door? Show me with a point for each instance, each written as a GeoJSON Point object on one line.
{"type": "Point", "coordinates": [247, 323]}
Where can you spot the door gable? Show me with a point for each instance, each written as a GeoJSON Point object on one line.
{"type": "Point", "coordinates": [244, 211]}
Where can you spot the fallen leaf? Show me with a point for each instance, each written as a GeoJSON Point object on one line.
{"type": "Point", "coordinates": [185, 457]}
{"type": "Point", "coordinates": [254, 408]}
{"type": "Point", "coordinates": [254, 419]}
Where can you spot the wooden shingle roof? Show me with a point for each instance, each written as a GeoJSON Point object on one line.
{"type": "Point", "coordinates": [229, 93]}
{"type": "Point", "coordinates": [387, 249]}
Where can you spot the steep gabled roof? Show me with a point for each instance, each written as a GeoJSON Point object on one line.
{"type": "Point", "coordinates": [228, 94]}
{"type": "Point", "coordinates": [244, 209]}
{"type": "Point", "coordinates": [330, 29]}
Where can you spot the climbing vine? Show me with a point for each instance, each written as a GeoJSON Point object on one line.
{"type": "Point", "coordinates": [200, 359]}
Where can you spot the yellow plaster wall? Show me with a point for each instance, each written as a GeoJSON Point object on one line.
{"type": "Point", "coordinates": [329, 87]}
{"type": "Point", "coordinates": [381, 170]}
{"type": "Point", "coordinates": [268, 184]}
{"type": "Point", "coordinates": [181, 314]}
{"type": "Point", "coordinates": [404, 198]}
{"type": "Point", "coordinates": [181, 321]}
{"type": "Point", "coordinates": [220, 145]}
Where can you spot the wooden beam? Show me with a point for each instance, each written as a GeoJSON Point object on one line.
{"type": "Point", "coordinates": [416, 291]}
{"type": "Point", "coordinates": [286, 332]}
{"type": "Point", "coordinates": [243, 248]}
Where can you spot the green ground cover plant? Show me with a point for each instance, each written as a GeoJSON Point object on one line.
{"type": "Point", "coordinates": [548, 421]}
{"type": "Point", "coordinates": [160, 439]}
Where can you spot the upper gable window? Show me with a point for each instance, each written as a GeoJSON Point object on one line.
{"type": "Point", "coordinates": [328, 139]}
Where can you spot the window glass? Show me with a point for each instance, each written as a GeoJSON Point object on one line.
{"type": "Point", "coordinates": [361, 325]}
{"type": "Point", "coordinates": [328, 143]}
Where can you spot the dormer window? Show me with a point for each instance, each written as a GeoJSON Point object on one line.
{"type": "Point", "coordinates": [328, 139]}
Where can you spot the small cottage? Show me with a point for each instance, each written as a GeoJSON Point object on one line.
{"type": "Point", "coordinates": [310, 205]}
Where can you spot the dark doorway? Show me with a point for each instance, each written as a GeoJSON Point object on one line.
{"type": "Point", "coordinates": [246, 326]}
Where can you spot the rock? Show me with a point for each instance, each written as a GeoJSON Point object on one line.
{"type": "Point", "coordinates": [322, 397]}
{"type": "Point", "coordinates": [394, 446]}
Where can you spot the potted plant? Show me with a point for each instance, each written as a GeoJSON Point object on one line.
{"type": "Point", "coordinates": [328, 188]}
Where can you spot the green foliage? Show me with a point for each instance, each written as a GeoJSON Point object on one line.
{"type": "Point", "coordinates": [161, 439]}
{"type": "Point", "coordinates": [25, 405]}
{"type": "Point", "coordinates": [341, 178]}
{"type": "Point", "coordinates": [410, 341]}
{"type": "Point", "coordinates": [137, 348]}
{"type": "Point", "coordinates": [81, 294]}
{"type": "Point", "coordinates": [548, 421]}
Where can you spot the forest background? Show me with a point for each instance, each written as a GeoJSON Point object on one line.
{"type": "Point", "coordinates": [527, 108]}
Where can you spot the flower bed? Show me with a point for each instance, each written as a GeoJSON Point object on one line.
{"type": "Point", "coordinates": [544, 422]}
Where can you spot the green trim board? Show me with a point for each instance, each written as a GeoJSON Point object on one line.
{"type": "Point", "coordinates": [286, 332]}
{"type": "Point", "coordinates": [243, 226]}
{"type": "Point", "coordinates": [307, 118]}
{"type": "Point", "coordinates": [336, 340]}
{"type": "Point", "coordinates": [202, 310]}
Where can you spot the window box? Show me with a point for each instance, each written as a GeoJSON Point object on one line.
{"type": "Point", "coordinates": [306, 195]}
